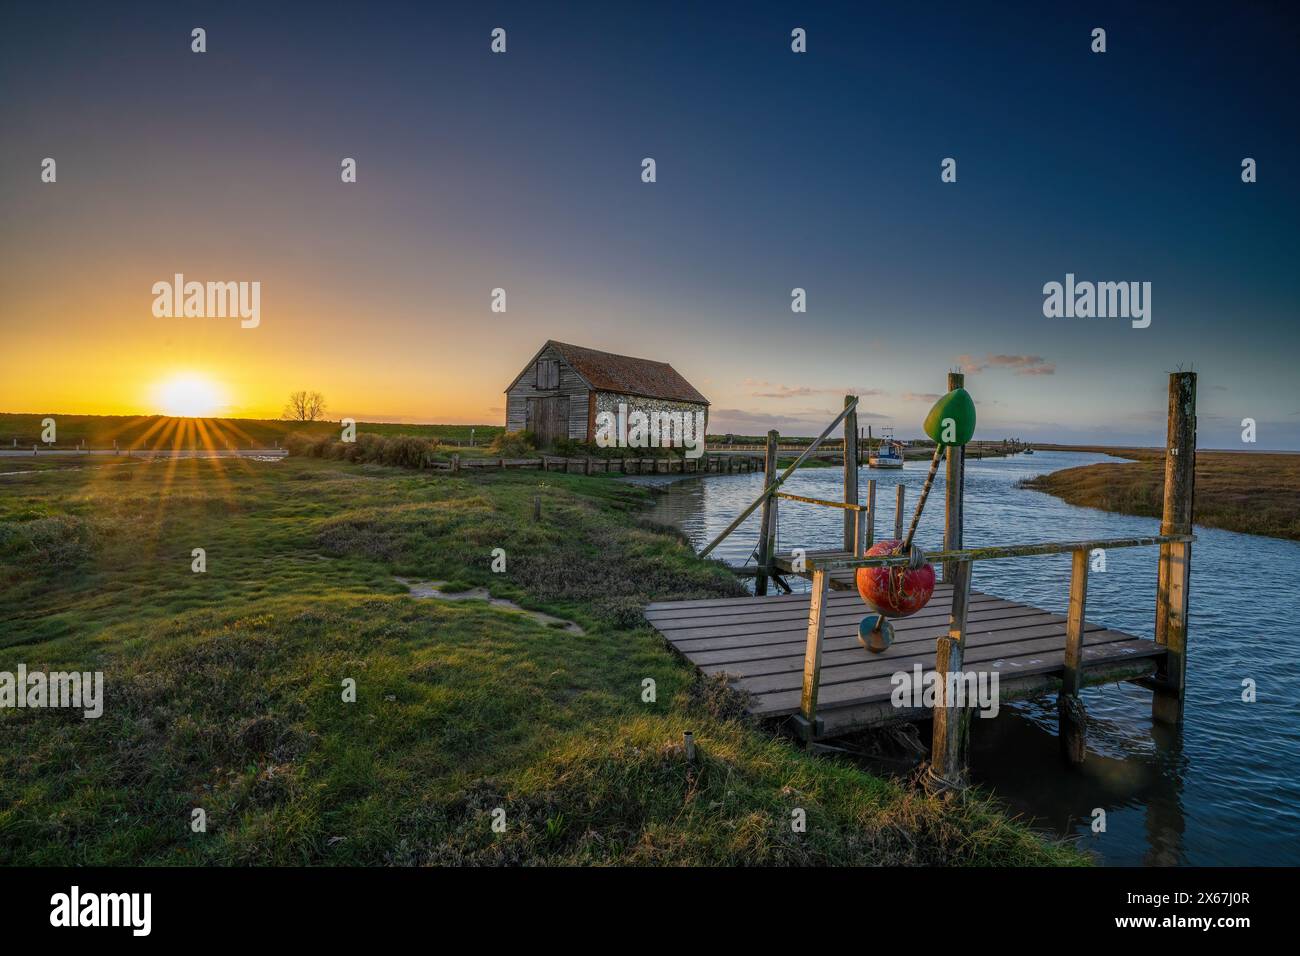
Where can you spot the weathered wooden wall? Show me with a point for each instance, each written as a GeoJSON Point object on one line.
{"type": "Point", "coordinates": [571, 384]}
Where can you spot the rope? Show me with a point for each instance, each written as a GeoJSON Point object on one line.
{"type": "Point", "coordinates": [925, 493]}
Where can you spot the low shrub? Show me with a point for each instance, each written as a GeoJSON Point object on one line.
{"type": "Point", "coordinates": [520, 444]}
{"type": "Point", "coordinates": [403, 451]}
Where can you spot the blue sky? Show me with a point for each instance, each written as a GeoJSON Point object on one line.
{"type": "Point", "coordinates": [775, 170]}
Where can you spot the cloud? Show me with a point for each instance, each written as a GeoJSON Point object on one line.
{"type": "Point", "coordinates": [1022, 364]}
{"type": "Point", "coordinates": [804, 391]}
{"type": "Point", "coordinates": [921, 396]}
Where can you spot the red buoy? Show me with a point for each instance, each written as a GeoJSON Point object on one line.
{"type": "Point", "coordinates": [895, 592]}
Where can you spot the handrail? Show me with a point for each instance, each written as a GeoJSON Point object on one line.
{"type": "Point", "coordinates": [771, 489]}
{"type": "Point", "coordinates": [846, 505]}
{"type": "Point", "coordinates": [996, 553]}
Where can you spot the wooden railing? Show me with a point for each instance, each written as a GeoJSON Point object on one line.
{"type": "Point", "coordinates": [946, 763]}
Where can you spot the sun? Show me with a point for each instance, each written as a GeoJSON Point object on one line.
{"type": "Point", "coordinates": [188, 396]}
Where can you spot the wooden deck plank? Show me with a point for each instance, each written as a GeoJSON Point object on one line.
{"type": "Point", "coordinates": [879, 689]}
{"type": "Point", "coordinates": [758, 634]}
{"type": "Point", "coordinates": [789, 605]}
{"type": "Point", "coordinates": [844, 650]}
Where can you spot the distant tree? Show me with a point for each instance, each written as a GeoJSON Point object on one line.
{"type": "Point", "coordinates": [305, 407]}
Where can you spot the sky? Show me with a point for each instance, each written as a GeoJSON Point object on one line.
{"type": "Point", "coordinates": [774, 171]}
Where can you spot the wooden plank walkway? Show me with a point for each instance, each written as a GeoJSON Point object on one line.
{"type": "Point", "coordinates": [760, 644]}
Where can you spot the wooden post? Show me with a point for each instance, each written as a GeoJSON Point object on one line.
{"type": "Point", "coordinates": [806, 719]}
{"type": "Point", "coordinates": [1071, 717]}
{"type": "Point", "coordinates": [586, 466]}
{"type": "Point", "coordinates": [900, 494]}
{"type": "Point", "coordinates": [953, 493]}
{"type": "Point", "coordinates": [767, 527]}
{"type": "Point", "coordinates": [851, 539]}
{"type": "Point", "coordinates": [537, 507]}
{"type": "Point", "coordinates": [1176, 559]}
{"type": "Point", "coordinates": [455, 462]}
{"type": "Point", "coordinates": [951, 724]}
{"type": "Point", "coordinates": [869, 538]}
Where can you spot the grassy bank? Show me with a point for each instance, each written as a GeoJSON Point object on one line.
{"type": "Point", "coordinates": [1254, 493]}
{"type": "Point", "coordinates": [224, 688]}
{"type": "Point", "coordinates": [160, 431]}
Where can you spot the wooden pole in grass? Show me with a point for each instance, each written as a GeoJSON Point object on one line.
{"type": "Point", "coordinates": [806, 719]}
{"type": "Point", "coordinates": [1175, 558]}
{"type": "Point", "coordinates": [766, 530]}
{"type": "Point", "coordinates": [850, 470]}
{"type": "Point", "coordinates": [949, 744]}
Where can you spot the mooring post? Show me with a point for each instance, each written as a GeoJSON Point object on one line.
{"type": "Point", "coordinates": [1071, 716]}
{"type": "Point", "coordinates": [767, 529]}
{"type": "Point", "coordinates": [900, 493]}
{"type": "Point", "coordinates": [948, 746]}
{"type": "Point", "coordinates": [851, 540]}
{"type": "Point", "coordinates": [953, 492]}
{"type": "Point", "coordinates": [806, 720]}
{"type": "Point", "coordinates": [1176, 558]}
{"type": "Point", "coordinates": [870, 536]}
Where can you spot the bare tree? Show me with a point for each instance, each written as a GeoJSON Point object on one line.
{"type": "Point", "coordinates": [305, 407]}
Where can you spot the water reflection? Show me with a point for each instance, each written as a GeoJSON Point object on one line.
{"type": "Point", "coordinates": [1225, 791]}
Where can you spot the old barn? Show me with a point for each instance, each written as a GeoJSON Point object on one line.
{"type": "Point", "coordinates": [564, 387]}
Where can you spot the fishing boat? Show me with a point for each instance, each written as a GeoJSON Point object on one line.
{"type": "Point", "coordinates": [889, 453]}
{"type": "Point", "coordinates": [1029, 451]}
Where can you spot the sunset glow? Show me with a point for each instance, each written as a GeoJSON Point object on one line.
{"type": "Point", "coordinates": [189, 396]}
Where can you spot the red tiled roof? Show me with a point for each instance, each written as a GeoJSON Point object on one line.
{"type": "Point", "coordinates": [607, 372]}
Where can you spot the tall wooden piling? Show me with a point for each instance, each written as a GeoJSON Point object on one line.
{"type": "Point", "coordinates": [900, 495]}
{"type": "Point", "coordinates": [869, 538]}
{"type": "Point", "coordinates": [767, 527]}
{"type": "Point", "coordinates": [954, 490]}
{"type": "Point", "coordinates": [850, 471]}
{"type": "Point", "coordinates": [1071, 717]}
{"type": "Point", "coordinates": [949, 744]}
{"type": "Point", "coordinates": [1176, 559]}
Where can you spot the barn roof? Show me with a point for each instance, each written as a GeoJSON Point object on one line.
{"type": "Point", "coordinates": [607, 372]}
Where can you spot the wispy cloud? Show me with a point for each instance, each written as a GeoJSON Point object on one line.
{"type": "Point", "coordinates": [804, 391]}
{"type": "Point", "coordinates": [1021, 364]}
{"type": "Point", "coordinates": [920, 396]}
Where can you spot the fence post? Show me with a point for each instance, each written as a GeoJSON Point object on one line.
{"type": "Point", "coordinates": [948, 746]}
{"type": "Point", "coordinates": [851, 540]}
{"type": "Point", "coordinates": [952, 498]}
{"type": "Point", "coordinates": [1071, 716]}
{"type": "Point", "coordinates": [1176, 559]}
{"type": "Point", "coordinates": [869, 537]}
{"type": "Point", "coordinates": [806, 720]}
{"type": "Point", "coordinates": [455, 462]}
{"type": "Point", "coordinates": [766, 530]}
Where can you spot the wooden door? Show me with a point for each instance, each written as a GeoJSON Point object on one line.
{"type": "Point", "coordinates": [548, 418]}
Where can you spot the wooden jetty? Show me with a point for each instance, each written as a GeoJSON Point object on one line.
{"type": "Point", "coordinates": [798, 658]}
